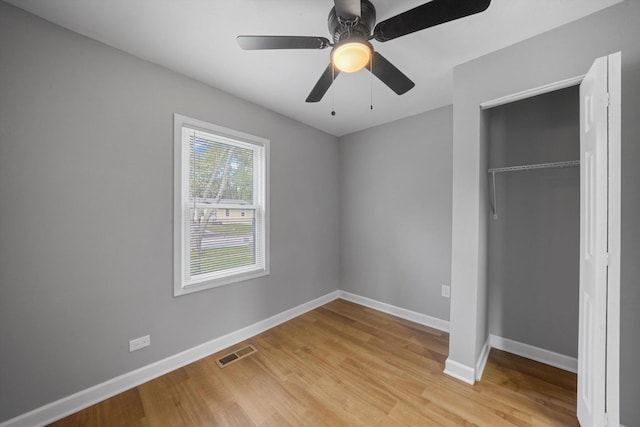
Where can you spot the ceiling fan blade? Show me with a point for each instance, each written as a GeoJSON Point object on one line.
{"type": "Point", "coordinates": [348, 9]}
{"type": "Point", "coordinates": [428, 15]}
{"type": "Point", "coordinates": [323, 84]}
{"type": "Point", "coordinates": [390, 75]}
{"type": "Point", "coordinates": [282, 42]}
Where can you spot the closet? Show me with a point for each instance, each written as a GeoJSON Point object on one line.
{"type": "Point", "coordinates": [534, 227]}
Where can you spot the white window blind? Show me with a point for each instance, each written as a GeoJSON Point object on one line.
{"type": "Point", "coordinates": [222, 206]}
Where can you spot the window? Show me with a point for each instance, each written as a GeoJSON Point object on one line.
{"type": "Point", "coordinates": [218, 174]}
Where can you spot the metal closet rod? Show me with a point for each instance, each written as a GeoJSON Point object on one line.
{"type": "Point", "coordinates": [567, 164]}
{"type": "Point", "coordinates": [494, 171]}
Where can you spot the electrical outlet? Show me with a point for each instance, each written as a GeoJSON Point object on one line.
{"type": "Point", "coordinates": [446, 291]}
{"type": "Point", "coordinates": [138, 343]}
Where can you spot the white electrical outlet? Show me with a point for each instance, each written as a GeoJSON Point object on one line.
{"type": "Point", "coordinates": [446, 291]}
{"type": "Point", "coordinates": [138, 343]}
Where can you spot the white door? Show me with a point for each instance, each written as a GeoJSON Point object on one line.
{"type": "Point", "coordinates": [599, 175]}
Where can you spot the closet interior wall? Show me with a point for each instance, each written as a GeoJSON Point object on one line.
{"type": "Point", "coordinates": [533, 266]}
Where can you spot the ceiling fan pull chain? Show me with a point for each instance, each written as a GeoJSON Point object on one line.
{"type": "Point", "coordinates": [371, 79]}
{"type": "Point", "coordinates": [333, 91]}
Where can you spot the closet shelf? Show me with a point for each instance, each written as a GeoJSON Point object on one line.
{"type": "Point", "coordinates": [494, 171]}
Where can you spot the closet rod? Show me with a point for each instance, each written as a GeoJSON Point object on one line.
{"type": "Point", "coordinates": [567, 164]}
{"type": "Point", "coordinates": [494, 171]}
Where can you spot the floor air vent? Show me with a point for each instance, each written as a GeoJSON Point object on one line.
{"type": "Point", "coordinates": [235, 356]}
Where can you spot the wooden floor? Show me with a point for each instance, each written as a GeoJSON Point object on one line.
{"type": "Point", "coordinates": [343, 364]}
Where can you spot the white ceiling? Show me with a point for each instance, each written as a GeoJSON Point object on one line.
{"type": "Point", "coordinates": [197, 38]}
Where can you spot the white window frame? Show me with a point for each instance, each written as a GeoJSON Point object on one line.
{"type": "Point", "coordinates": [182, 283]}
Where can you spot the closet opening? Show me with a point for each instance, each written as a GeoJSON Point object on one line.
{"type": "Point", "coordinates": [533, 230]}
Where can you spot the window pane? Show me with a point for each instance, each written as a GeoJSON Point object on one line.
{"type": "Point", "coordinates": [220, 241]}
{"type": "Point", "coordinates": [219, 172]}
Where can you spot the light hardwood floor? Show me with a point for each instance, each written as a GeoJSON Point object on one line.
{"type": "Point", "coordinates": [343, 365]}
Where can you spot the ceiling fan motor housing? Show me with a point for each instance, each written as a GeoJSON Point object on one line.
{"type": "Point", "coordinates": [360, 28]}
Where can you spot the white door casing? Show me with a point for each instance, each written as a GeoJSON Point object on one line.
{"type": "Point", "coordinates": [615, 213]}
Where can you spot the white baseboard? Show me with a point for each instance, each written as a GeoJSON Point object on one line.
{"type": "Point", "coordinates": [459, 371]}
{"type": "Point", "coordinates": [482, 359]}
{"type": "Point", "coordinates": [423, 319]}
{"type": "Point", "coordinates": [534, 353]}
{"type": "Point", "coordinates": [85, 398]}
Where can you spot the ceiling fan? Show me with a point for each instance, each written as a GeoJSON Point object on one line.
{"type": "Point", "coordinates": [350, 23]}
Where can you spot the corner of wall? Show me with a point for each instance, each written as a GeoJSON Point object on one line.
{"type": "Point", "coordinates": [459, 371]}
{"type": "Point", "coordinates": [482, 359]}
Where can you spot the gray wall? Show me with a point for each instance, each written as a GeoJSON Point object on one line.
{"type": "Point", "coordinates": [86, 152]}
{"type": "Point", "coordinates": [563, 53]}
{"type": "Point", "coordinates": [395, 218]}
{"type": "Point", "coordinates": [534, 243]}
{"type": "Point", "coordinates": [86, 220]}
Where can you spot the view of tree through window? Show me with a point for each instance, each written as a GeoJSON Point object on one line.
{"type": "Point", "coordinates": [221, 187]}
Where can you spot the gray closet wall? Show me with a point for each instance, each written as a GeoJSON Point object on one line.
{"type": "Point", "coordinates": [534, 243]}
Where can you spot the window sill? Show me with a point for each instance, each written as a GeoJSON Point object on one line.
{"type": "Point", "coordinates": [179, 290]}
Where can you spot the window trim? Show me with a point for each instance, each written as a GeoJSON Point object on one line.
{"type": "Point", "coordinates": [179, 224]}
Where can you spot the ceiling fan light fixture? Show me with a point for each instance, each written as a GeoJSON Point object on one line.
{"type": "Point", "coordinates": [352, 56]}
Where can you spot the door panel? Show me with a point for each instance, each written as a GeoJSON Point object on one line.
{"type": "Point", "coordinates": [593, 245]}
